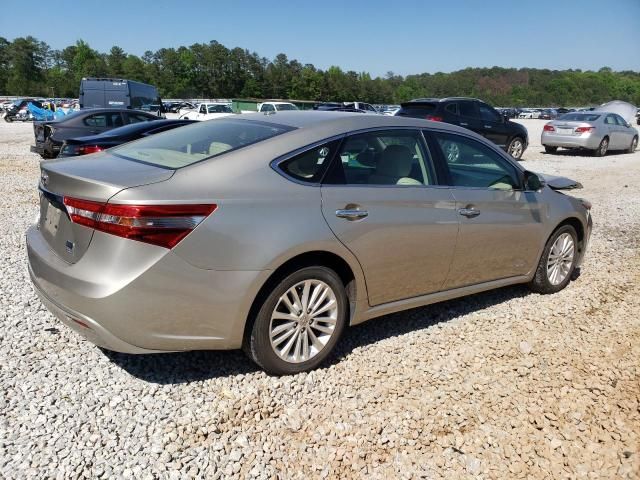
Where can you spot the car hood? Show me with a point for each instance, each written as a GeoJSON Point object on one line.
{"type": "Point", "coordinates": [624, 109]}
{"type": "Point", "coordinates": [559, 183]}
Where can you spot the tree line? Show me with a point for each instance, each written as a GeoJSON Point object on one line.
{"type": "Point", "coordinates": [29, 66]}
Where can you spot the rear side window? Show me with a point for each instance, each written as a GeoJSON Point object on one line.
{"type": "Point", "coordinates": [382, 158]}
{"type": "Point", "coordinates": [452, 108]}
{"type": "Point", "coordinates": [185, 146]}
{"type": "Point", "coordinates": [468, 109]}
{"type": "Point", "coordinates": [310, 165]}
{"type": "Point", "coordinates": [137, 118]}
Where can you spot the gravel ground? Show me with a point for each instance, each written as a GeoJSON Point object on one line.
{"type": "Point", "coordinates": [505, 384]}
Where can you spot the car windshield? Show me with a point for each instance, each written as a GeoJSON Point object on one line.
{"type": "Point", "coordinates": [219, 109]}
{"type": "Point", "coordinates": [184, 146]}
{"type": "Point", "coordinates": [579, 117]}
{"type": "Point", "coordinates": [286, 106]}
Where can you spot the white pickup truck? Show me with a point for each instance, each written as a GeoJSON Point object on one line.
{"type": "Point", "coordinates": [275, 106]}
{"type": "Point", "coordinates": [208, 111]}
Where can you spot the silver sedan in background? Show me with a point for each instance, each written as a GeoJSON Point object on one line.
{"type": "Point", "coordinates": [595, 130]}
{"type": "Point", "coordinates": [275, 232]}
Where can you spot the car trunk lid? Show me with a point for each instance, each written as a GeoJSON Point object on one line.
{"type": "Point", "coordinates": [94, 177]}
{"type": "Point", "coordinates": [567, 127]}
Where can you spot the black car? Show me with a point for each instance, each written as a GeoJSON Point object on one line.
{"type": "Point", "coordinates": [50, 134]}
{"type": "Point", "coordinates": [73, 147]}
{"type": "Point", "coordinates": [472, 114]}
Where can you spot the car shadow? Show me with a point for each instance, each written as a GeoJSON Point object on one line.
{"type": "Point", "coordinates": [573, 152]}
{"type": "Point", "coordinates": [186, 367]}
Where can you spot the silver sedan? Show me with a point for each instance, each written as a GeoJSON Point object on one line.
{"type": "Point", "coordinates": [596, 131]}
{"type": "Point", "coordinates": [275, 232]}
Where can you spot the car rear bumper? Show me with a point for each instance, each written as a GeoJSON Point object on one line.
{"type": "Point", "coordinates": [162, 304]}
{"type": "Point", "coordinates": [590, 142]}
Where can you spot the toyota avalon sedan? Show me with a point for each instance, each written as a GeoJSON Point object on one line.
{"type": "Point", "coordinates": [274, 233]}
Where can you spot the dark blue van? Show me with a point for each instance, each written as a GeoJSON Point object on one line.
{"type": "Point", "coordinates": [119, 93]}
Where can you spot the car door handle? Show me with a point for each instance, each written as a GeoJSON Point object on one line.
{"type": "Point", "coordinates": [468, 212]}
{"type": "Point", "coordinates": [352, 214]}
{"type": "Point", "coordinates": [487, 126]}
{"type": "Point", "coordinates": [463, 124]}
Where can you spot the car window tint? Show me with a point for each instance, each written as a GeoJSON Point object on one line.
{"type": "Point", "coordinates": [382, 158]}
{"type": "Point", "coordinates": [202, 140]}
{"type": "Point", "coordinates": [267, 108]}
{"type": "Point", "coordinates": [137, 118]}
{"type": "Point", "coordinates": [104, 120]}
{"type": "Point", "coordinates": [310, 165]}
{"type": "Point", "coordinates": [621, 121]}
{"type": "Point", "coordinates": [468, 109]}
{"type": "Point", "coordinates": [488, 114]}
{"type": "Point", "coordinates": [452, 108]}
{"type": "Point", "coordinates": [472, 164]}
{"type": "Point", "coordinates": [609, 120]}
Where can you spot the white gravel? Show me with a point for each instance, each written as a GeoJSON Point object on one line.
{"type": "Point", "coordinates": [505, 384]}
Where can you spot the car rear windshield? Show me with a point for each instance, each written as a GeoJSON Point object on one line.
{"type": "Point", "coordinates": [285, 106]}
{"type": "Point", "coordinates": [185, 146]}
{"type": "Point", "coordinates": [417, 110]}
{"type": "Point", "coordinates": [580, 117]}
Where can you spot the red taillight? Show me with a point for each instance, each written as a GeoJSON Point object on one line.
{"type": "Point", "coordinates": [434, 118]}
{"type": "Point", "coordinates": [584, 129]}
{"type": "Point", "coordinates": [87, 149]}
{"type": "Point", "coordinates": [163, 225]}
{"type": "Point", "coordinates": [549, 128]}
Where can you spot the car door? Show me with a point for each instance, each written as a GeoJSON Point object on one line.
{"type": "Point", "coordinates": [626, 132]}
{"type": "Point", "coordinates": [468, 115]}
{"type": "Point", "coordinates": [612, 130]}
{"type": "Point", "coordinates": [493, 124]}
{"type": "Point", "coordinates": [500, 224]}
{"type": "Point", "coordinates": [381, 201]}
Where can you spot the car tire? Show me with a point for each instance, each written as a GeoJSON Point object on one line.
{"type": "Point", "coordinates": [557, 263]}
{"type": "Point", "coordinates": [516, 148]}
{"type": "Point", "coordinates": [309, 340]}
{"type": "Point", "coordinates": [601, 151]}
{"type": "Point", "coordinates": [634, 145]}
{"type": "Point", "coordinates": [549, 149]}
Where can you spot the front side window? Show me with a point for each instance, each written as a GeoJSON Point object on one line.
{"type": "Point", "coordinates": [310, 165]}
{"type": "Point", "coordinates": [104, 120]}
{"type": "Point", "coordinates": [382, 158]}
{"type": "Point", "coordinates": [488, 114]}
{"type": "Point", "coordinates": [193, 143]}
{"type": "Point", "coordinates": [621, 121]}
{"type": "Point", "coordinates": [472, 164]}
{"type": "Point", "coordinates": [468, 109]}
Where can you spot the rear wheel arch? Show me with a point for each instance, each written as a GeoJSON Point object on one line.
{"type": "Point", "coordinates": [316, 258]}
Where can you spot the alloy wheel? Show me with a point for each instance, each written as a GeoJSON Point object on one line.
{"type": "Point", "coordinates": [452, 152]}
{"type": "Point", "coordinates": [560, 259]}
{"type": "Point", "coordinates": [604, 146]}
{"type": "Point", "coordinates": [303, 321]}
{"type": "Point", "coordinates": [515, 148]}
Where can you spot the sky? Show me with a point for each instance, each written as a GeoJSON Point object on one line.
{"type": "Point", "coordinates": [375, 36]}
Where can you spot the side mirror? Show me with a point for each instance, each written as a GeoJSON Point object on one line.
{"type": "Point", "coordinates": [532, 182]}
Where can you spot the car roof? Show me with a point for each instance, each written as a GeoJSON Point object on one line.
{"type": "Point", "coordinates": [336, 122]}
{"type": "Point", "coordinates": [435, 100]}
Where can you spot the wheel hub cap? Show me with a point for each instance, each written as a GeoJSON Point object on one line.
{"type": "Point", "coordinates": [303, 321]}
{"type": "Point", "coordinates": [560, 259]}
